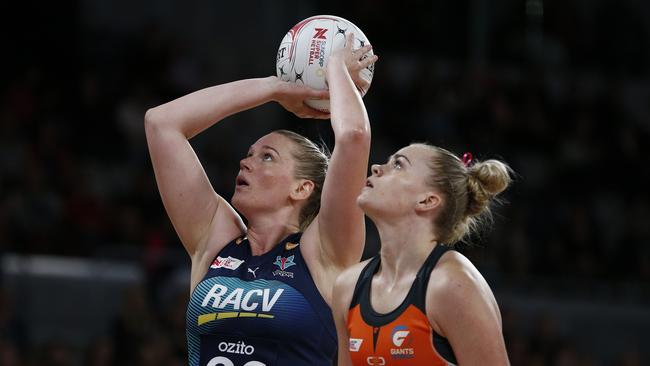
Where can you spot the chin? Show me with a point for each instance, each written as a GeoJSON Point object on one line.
{"type": "Point", "coordinates": [364, 203]}
{"type": "Point", "coordinates": [239, 203]}
{"type": "Point", "coordinates": [375, 209]}
{"type": "Point", "coordinates": [361, 201]}
{"type": "Point", "coordinates": [250, 204]}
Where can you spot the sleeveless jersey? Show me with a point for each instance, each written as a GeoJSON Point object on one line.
{"type": "Point", "coordinates": [259, 310]}
{"type": "Point", "coordinates": [403, 336]}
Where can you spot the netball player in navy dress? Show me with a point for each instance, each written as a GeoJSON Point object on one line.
{"type": "Point", "coordinates": [261, 294]}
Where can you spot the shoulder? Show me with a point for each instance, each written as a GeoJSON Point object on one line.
{"type": "Point", "coordinates": [461, 307]}
{"type": "Point", "coordinates": [455, 276]}
{"type": "Point", "coordinates": [345, 284]}
{"type": "Point", "coordinates": [202, 260]}
{"type": "Point", "coordinates": [455, 287]}
{"type": "Point", "coordinates": [347, 280]}
{"type": "Point", "coordinates": [452, 265]}
{"type": "Point", "coordinates": [226, 226]}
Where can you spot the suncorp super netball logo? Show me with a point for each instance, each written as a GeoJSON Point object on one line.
{"type": "Point", "coordinates": [402, 339]}
{"type": "Point", "coordinates": [317, 46]}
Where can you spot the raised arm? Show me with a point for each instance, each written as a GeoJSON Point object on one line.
{"type": "Point", "coordinates": [193, 206]}
{"type": "Point", "coordinates": [340, 222]}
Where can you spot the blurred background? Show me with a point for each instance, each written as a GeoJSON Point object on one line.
{"type": "Point", "coordinates": [92, 272]}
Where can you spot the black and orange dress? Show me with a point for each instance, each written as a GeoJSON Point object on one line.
{"type": "Point", "coordinates": [403, 336]}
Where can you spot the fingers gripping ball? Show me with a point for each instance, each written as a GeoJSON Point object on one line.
{"type": "Point", "coordinates": [304, 50]}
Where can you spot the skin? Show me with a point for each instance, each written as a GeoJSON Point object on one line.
{"type": "Point", "coordinates": [271, 201]}
{"type": "Point", "coordinates": [460, 305]}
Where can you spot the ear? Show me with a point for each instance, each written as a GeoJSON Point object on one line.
{"type": "Point", "coordinates": [302, 190]}
{"type": "Point", "coordinates": [428, 202]}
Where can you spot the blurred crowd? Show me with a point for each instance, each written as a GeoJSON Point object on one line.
{"type": "Point", "coordinates": [572, 121]}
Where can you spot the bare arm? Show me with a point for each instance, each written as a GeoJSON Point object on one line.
{"type": "Point", "coordinates": [193, 206]}
{"type": "Point", "coordinates": [463, 307]}
{"type": "Point", "coordinates": [344, 288]}
{"type": "Point", "coordinates": [340, 222]}
{"type": "Point", "coordinates": [340, 315]}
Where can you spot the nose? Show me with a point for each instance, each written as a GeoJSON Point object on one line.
{"type": "Point", "coordinates": [244, 164]}
{"type": "Point", "coordinates": [376, 169]}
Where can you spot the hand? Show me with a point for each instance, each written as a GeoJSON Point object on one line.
{"type": "Point", "coordinates": [292, 97]}
{"type": "Point", "coordinates": [355, 61]}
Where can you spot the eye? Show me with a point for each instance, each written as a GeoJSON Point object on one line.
{"type": "Point", "coordinates": [267, 157]}
{"type": "Point", "coordinates": [249, 154]}
{"type": "Point", "coordinates": [397, 164]}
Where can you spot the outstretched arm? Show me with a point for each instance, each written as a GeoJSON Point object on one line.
{"type": "Point", "coordinates": [340, 222]}
{"type": "Point", "coordinates": [193, 206]}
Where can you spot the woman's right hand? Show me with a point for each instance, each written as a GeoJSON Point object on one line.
{"type": "Point", "coordinates": [355, 61]}
{"type": "Point", "coordinates": [292, 97]}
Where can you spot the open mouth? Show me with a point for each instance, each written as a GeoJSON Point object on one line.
{"type": "Point", "coordinates": [241, 182]}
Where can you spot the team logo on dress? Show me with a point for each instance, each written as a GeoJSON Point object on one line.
{"type": "Point", "coordinates": [402, 339]}
{"type": "Point", "coordinates": [228, 263]}
{"type": "Point", "coordinates": [283, 263]}
{"type": "Point", "coordinates": [355, 344]}
{"type": "Point", "coordinates": [399, 335]}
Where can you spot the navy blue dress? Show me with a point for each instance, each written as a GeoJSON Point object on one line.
{"type": "Point", "coordinates": [259, 310]}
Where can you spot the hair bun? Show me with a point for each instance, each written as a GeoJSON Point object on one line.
{"type": "Point", "coordinates": [486, 180]}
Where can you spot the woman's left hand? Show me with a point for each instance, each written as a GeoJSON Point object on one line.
{"type": "Point", "coordinates": [292, 97]}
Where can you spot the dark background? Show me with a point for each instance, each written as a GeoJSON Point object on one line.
{"type": "Point", "coordinates": [93, 274]}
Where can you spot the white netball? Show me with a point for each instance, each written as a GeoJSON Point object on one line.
{"type": "Point", "coordinates": [304, 50]}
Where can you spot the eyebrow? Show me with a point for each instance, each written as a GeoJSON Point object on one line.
{"type": "Point", "coordinates": [395, 156]}
{"type": "Point", "coordinates": [270, 148]}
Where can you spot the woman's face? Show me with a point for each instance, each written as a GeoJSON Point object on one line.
{"type": "Point", "coordinates": [265, 176]}
{"type": "Point", "coordinates": [396, 187]}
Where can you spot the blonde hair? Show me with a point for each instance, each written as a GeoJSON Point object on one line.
{"type": "Point", "coordinates": [467, 191]}
{"type": "Point", "coordinates": [311, 164]}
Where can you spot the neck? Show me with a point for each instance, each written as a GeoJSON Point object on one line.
{"type": "Point", "coordinates": [265, 230]}
{"type": "Point", "coordinates": [405, 245]}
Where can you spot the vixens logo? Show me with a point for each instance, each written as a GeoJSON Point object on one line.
{"type": "Point", "coordinates": [283, 263]}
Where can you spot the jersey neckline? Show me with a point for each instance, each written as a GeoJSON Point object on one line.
{"type": "Point", "coordinates": [415, 295]}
